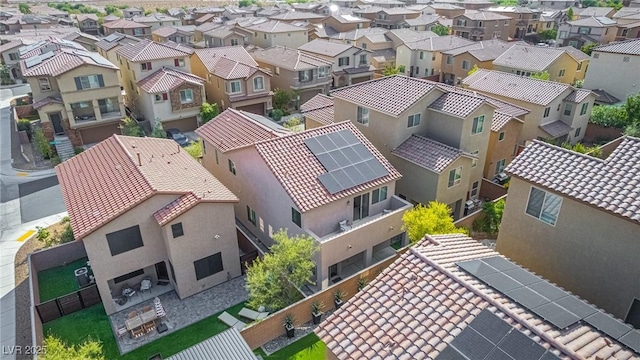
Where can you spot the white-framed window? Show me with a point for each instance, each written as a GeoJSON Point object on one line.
{"type": "Point", "coordinates": [500, 166]}
{"type": "Point", "coordinates": [186, 96]}
{"type": "Point", "coordinates": [584, 30]}
{"type": "Point", "coordinates": [474, 162]}
{"type": "Point", "coordinates": [501, 136]}
{"type": "Point", "coordinates": [563, 35]}
{"type": "Point", "coordinates": [322, 72]}
{"type": "Point", "coordinates": [478, 123]}
{"type": "Point", "coordinates": [45, 85]}
{"type": "Point", "coordinates": [234, 87]}
{"type": "Point", "coordinates": [138, 31]}
{"type": "Point", "coordinates": [14, 56]}
{"type": "Point", "coordinates": [455, 176]}
{"type": "Point", "coordinates": [343, 61]}
{"type": "Point", "coordinates": [258, 83]}
{"type": "Point", "coordinates": [305, 75]}
{"type": "Point", "coordinates": [89, 82]}
{"type": "Point", "coordinates": [543, 206]}
{"type": "Point", "coordinates": [232, 167]}
{"type": "Point", "coordinates": [234, 42]}
{"type": "Point", "coordinates": [178, 62]}
{"type": "Point", "coordinates": [379, 195]}
{"type": "Point", "coordinates": [146, 66]}
{"type": "Point", "coordinates": [363, 59]}
{"type": "Point", "coordinates": [546, 112]}
{"type": "Point", "coordinates": [567, 109]}
{"type": "Point", "coordinates": [584, 109]}
{"type": "Point", "coordinates": [363, 115]}
{"type": "Point", "coordinates": [474, 189]}
{"type": "Point", "coordinates": [413, 120]}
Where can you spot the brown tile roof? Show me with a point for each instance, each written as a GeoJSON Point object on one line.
{"type": "Point", "coordinates": [319, 108]}
{"type": "Point", "coordinates": [501, 106]}
{"type": "Point", "coordinates": [578, 95]}
{"type": "Point", "coordinates": [297, 169]}
{"type": "Point", "coordinates": [124, 24]}
{"type": "Point", "coordinates": [556, 129]}
{"type": "Point", "coordinates": [83, 17]}
{"type": "Point", "coordinates": [533, 58]}
{"type": "Point", "coordinates": [297, 15]}
{"type": "Point", "coordinates": [483, 15]}
{"type": "Point", "coordinates": [272, 26]}
{"type": "Point", "coordinates": [501, 119]}
{"type": "Point", "coordinates": [392, 94]}
{"type": "Point", "coordinates": [429, 154]}
{"type": "Point", "coordinates": [107, 180]}
{"type": "Point", "coordinates": [317, 102]}
{"type": "Point", "coordinates": [166, 79]}
{"type": "Point", "coordinates": [175, 208]}
{"type": "Point", "coordinates": [627, 47]}
{"type": "Point", "coordinates": [164, 31]}
{"type": "Point", "coordinates": [46, 101]}
{"type": "Point", "coordinates": [439, 43]}
{"type": "Point", "coordinates": [419, 304]}
{"type": "Point", "coordinates": [290, 59]}
{"type": "Point", "coordinates": [147, 50]}
{"type": "Point", "coordinates": [523, 88]}
{"type": "Point", "coordinates": [325, 47]}
{"type": "Point", "coordinates": [612, 184]}
{"type": "Point", "coordinates": [62, 61]}
{"type": "Point", "coordinates": [234, 129]}
{"type": "Point", "coordinates": [457, 104]}
{"type": "Point", "coordinates": [229, 62]}
{"type": "Point", "coordinates": [109, 42]}
{"type": "Point", "coordinates": [482, 50]}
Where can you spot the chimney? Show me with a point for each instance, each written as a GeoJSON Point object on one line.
{"type": "Point", "coordinates": [139, 160]}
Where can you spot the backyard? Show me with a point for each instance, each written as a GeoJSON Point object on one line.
{"type": "Point", "coordinates": [59, 281]}
{"type": "Point", "coordinates": [309, 347]}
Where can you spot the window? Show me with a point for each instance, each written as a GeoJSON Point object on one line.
{"type": "Point", "coordinates": [178, 62]}
{"type": "Point", "coordinates": [478, 122]}
{"type": "Point", "coordinates": [232, 167]}
{"type": "Point", "coordinates": [44, 84]}
{"type": "Point", "coordinates": [364, 45]}
{"type": "Point", "coordinates": [80, 105]}
{"type": "Point", "coordinates": [363, 59]}
{"type": "Point", "coordinates": [567, 109]}
{"type": "Point", "coordinates": [479, 23]}
{"type": "Point", "coordinates": [506, 23]}
{"type": "Point", "coordinates": [500, 166]}
{"type": "Point", "coordinates": [465, 65]}
{"type": "Point", "coordinates": [208, 266]}
{"type": "Point", "coordinates": [596, 55]}
{"type": "Point", "coordinates": [146, 66]}
{"type": "Point", "coordinates": [474, 162]}
{"type": "Point", "coordinates": [449, 60]}
{"type": "Point", "coordinates": [584, 109]}
{"type": "Point", "coordinates": [579, 66]}
{"type": "Point", "coordinates": [584, 30]}
{"type": "Point", "coordinates": [124, 240]}
{"type": "Point", "coordinates": [379, 195]}
{"type": "Point", "coordinates": [363, 116]}
{"type": "Point", "coordinates": [186, 96]}
{"type": "Point", "coordinates": [501, 136]}
{"type": "Point", "coordinates": [137, 31]}
{"type": "Point", "coordinates": [296, 217]}
{"type": "Point", "coordinates": [543, 206]}
{"type": "Point", "coordinates": [251, 215]}
{"type": "Point", "coordinates": [414, 120]}
{"type": "Point", "coordinates": [573, 43]}
{"type": "Point", "coordinates": [177, 230]}
{"type": "Point", "coordinates": [13, 56]}
{"type": "Point", "coordinates": [474, 189]}
{"type": "Point", "coordinates": [343, 61]}
{"type": "Point", "coordinates": [421, 55]}
{"type": "Point", "coordinates": [234, 42]}
{"type": "Point", "coordinates": [361, 206]}
{"type": "Point", "coordinates": [455, 176]}
{"type": "Point", "coordinates": [128, 276]}
{"type": "Point", "coordinates": [161, 97]}
{"type": "Point", "coordinates": [625, 59]}
{"type": "Point", "coordinates": [563, 34]}
{"type": "Point", "coordinates": [305, 75]}
{"type": "Point", "coordinates": [89, 82]}
{"type": "Point", "coordinates": [546, 112]}
{"type": "Point", "coordinates": [561, 73]}
{"type": "Point", "coordinates": [433, 57]}
{"type": "Point", "coordinates": [322, 72]}
{"type": "Point", "coordinates": [258, 83]}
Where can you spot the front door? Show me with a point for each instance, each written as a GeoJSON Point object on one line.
{"type": "Point", "coordinates": [161, 271]}
{"type": "Point", "coordinates": [56, 121]}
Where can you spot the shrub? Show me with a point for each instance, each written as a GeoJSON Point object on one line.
{"type": "Point", "coordinates": [609, 116]}
{"type": "Point", "coordinates": [42, 143]}
{"type": "Point", "coordinates": [56, 349]}
{"type": "Point", "coordinates": [25, 125]}
{"type": "Point", "coordinates": [78, 150]}
{"type": "Point", "coordinates": [490, 221]}
{"type": "Point", "coordinates": [276, 114]}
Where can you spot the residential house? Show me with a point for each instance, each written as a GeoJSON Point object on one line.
{"type": "Point", "coordinates": [593, 11]}
{"type": "Point", "coordinates": [233, 12]}
{"type": "Point", "coordinates": [109, 45]}
{"type": "Point", "coordinates": [267, 33]}
{"type": "Point", "coordinates": [131, 12]}
{"type": "Point", "coordinates": [448, 11]}
{"type": "Point", "coordinates": [555, 4]}
{"type": "Point", "coordinates": [179, 232]}
{"type": "Point", "coordinates": [440, 300]}
{"type": "Point", "coordinates": [198, 33]}
{"type": "Point", "coordinates": [423, 58]}
{"type": "Point", "coordinates": [628, 31]}
{"type": "Point", "coordinates": [20, 23]}
{"type": "Point", "coordinates": [468, 4]}
{"type": "Point", "coordinates": [381, 3]}
{"type": "Point", "coordinates": [563, 64]}
{"type": "Point", "coordinates": [614, 69]}
{"type": "Point", "coordinates": [318, 111]}
{"type": "Point", "coordinates": [422, 22]}
{"type": "Point", "coordinates": [127, 27]}
{"type": "Point", "coordinates": [11, 58]}
{"type": "Point", "coordinates": [388, 18]}
{"type": "Point", "coordinates": [558, 111]}
{"type": "Point", "coordinates": [577, 33]}
{"type": "Point", "coordinates": [296, 16]}
{"type": "Point", "coordinates": [181, 34]}
{"type": "Point", "coordinates": [524, 21]}
{"type": "Point", "coordinates": [226, 35]}
{"type": "Point", "coordinates": [354, 221]}
{"type": "Point", "coordinates": [350, 64]}
{"type": "Point", "coordinates": [157, 20]}
{"type": "Point", "coordinates": [457, 62]}
{"type": "Point", "coordinates": [627, 15]}
{"type": "Point", "coordinates": [305, 74]}
{"type": "Point", "coordinates": [88, 23]}
{"type": "Point", "coordinates": [345, 22]}
{"type": "Point", "coordinates": [374, 39]}
{"type": "Point", "coordinates": [86, 40]}
{"type": "Point", "coordinates": [76, 92]}
{"type": "Point", "coordinates": [583, 210]}
{"type": "Point", "coordinates": [158, 84]}
{"type": "Point", "coordinates": [482, 25]}
{"type": "Point", "coordinates": [206, 18]}
{"type": "Point", "coordinates": [233, 79]}
{"type": "Point", "coordinates": [404, 36]}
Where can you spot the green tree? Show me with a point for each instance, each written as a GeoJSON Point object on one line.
{"type": "Point", "coordinates": [42, 143]}
{"type": "Point", "coordinates": [390, 70]}
{"type": "Point", "coordinates": [491, 218]}
{"type": "Point", "coordinates": [473, 69]}
{"type": "Point", "coordinates": [431, 219]}
{"type": "Point", "coordinates": [587, 49]}
{"type": "Point", "coordinates": [56, 349]}
{"type": "Point", "coordinates": [272, 280]}
{"type": "Point", "coordinates": [208, 112]}
{"type": "Point", "coordinates": [594, 151]}
{"type": "Point", "coordinates": [550, 34]}
{"type": "Point", "coordinates": [589, 3]}
{"type": "Point", "coordinates": [541, 75]}
{"type": "Point", "coordinates": [24, 8]}
{"type": "Point", "coordinates": [282, 99]}
{"type": "Point", "coordinates": [194, 149]}
{"type": "Point", "coordinates": [158, 131]}
{"type": "Point", "coordinates": [609, 116]}
{"type": "Point", "coordinates": [130, 127]}
{"type": "Point", "coordinates": [570, 13]}
{"type": "Point", "coordinates": [632, 108]}
{"type": "Point", "coordinates": [441, 29]}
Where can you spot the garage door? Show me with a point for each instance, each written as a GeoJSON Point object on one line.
{"type": "Point", "coordinates": [188, 124]}
{"type": "Point", "coordinates": [98, 133]}
{"type": "Point", "coordinates": [255, 108]}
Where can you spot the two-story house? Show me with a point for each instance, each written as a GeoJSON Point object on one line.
{"type": "Point", "coordinates": [11, 58]}
{"type": "Point", "coordinates": [577, 33]}
{"type": "Point", "coordinates": [233, 79]}
{"type": "Point", "coordinates": [128, 13]}
{"type": "Point", "coordinates": [328, 183]}
{"type": "Point", "coordinates": [525, 20]}
{"type": "Point", "coordinates": [157, 20]}
{"type": "Point", "coordinates": [127, 27]}
{"type": "Point", "coordinates": [564, 64]}
{"type": "Point", "coordinates": [457, 62]}
{"type": "Point", "coordinates": [574, 219]}
{"type": "Point", "coordinates": [482, 25]}
{"type": "Point", "coordinates": [424, 22]}
{"type": "Point", "coordinates": [614, 68]}
{"type": "Point", "coordinates": [350, 63]}
{"type": "Point", "coordinates": [88, 23]}
{"type": "Point", "coordinates": [226, 35]}
{"type": "Point", "coordinates": [305, 74]}
{"type": "Point", "coordinates": [267, 33]}
{"type": "Point", "coordinates": [298, 16]}
{"type": "Point", "coordinates": [76, 93]}
{"type": "Point", "coordinates": [19, 23]}
{"type": "Point", "coordinates": [178, 34]}
{"type": "Point", "coordinates": [109, 45]}
{"type": "Point", "coordinates": [158, 83]}
{"type": "Point", "coordinates": [86, 40]}
{"type": "Point", "coordinates": [559, 111]}
{"type": "Point", "coordinates": [180, 233]}
{"type": "Point", "coordinates": [345, 22]}
{"type": "Point", "coordinates": [388, 18]}
{"type": "Point", "coordinates": [423, 58]}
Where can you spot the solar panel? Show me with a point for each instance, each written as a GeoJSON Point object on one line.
{"type": "Point", "coordinates": [330, 183]}
{"type": "Point", "coordinates": [632, 340]}
{"type": "Point", "coordinates": [471, 344]}
{"type": "Point", "coordinates": [549, 356]}
{"type": "Point", "coordinates": [607, 324]}
{"type": "Point", "coordinates": [521, 347]}
{"type": "Point", "coordinates": [576, 306]}
{"type": "Point", "coordinates": [112, 37]}
{"type": "Point", "coordinates": [476, 268]}
{"type": "Point", "coordinates": [548, 290]}
{"type": "Point", "coordinates": [527, 297]}
{"type": "Point", "coordinates": [500, 263]}
{"type": "Point", "coordinates": [450, 353]}
{"type": "Point", "coordinates": [523, 276]}
{"type": "Point", "coordinates": [490, 326]}
{"type": "Point", "coordinates": [500, 282]}
{"type": "Point", "coordinates": [498, 354]}
{"type": "Point", "coordinates": [36, 60]}
{"type": "Point", "coordinates": [556, 315]}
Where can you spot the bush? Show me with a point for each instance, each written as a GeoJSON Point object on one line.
{"type": "Point", "coordinates": [276, 114]}
{"type": "Point", "coordinates": [490, 220]}
{"type": "Point", "coordinates": [78, 149]}
{"type": "Point", "coordinates": [56, 349]}
{"type": "Point", "coordinates": [609, 116]}
{"type": "Point", "coordinates": [25, 125]}
{"type": "Point", "coordinates": [42, 144]}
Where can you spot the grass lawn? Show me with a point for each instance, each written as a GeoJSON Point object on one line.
{"type": "Point", "coordinates": [93, 322]}
{"type": "Point", "coordinates": [59, 280]}
{"type": "Point", "coordinates": [309, 347]}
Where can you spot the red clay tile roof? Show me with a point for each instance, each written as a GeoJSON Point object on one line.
{"type": "Point", "coordinates": [612, 184]}
{"type": "Point", "coordinates": [175, 208]}
{"type": "Point", "coordinates": [234, 129]}
{"type": "Point", "coordinates": [229, 62]}
{"type": "Point", "coordinates": [290, 59]}
{"type": "Point", "coordinates": [430, 154]}
{"type": "Point", "coordinates": [419, 304]}
{"type": "Point", "coordinates": [297, 169]}
{"type": "Point", "coordinates": [124, 24]}
{"type": "Point", "coordinates": [46, 101]}
{"type": "Point", "coordinates": [319, 108]}
{"type": "Point", "coordinates": [556, 129]}
{"type": "Point", "coordinates": [147, 50]}
{"type": "Point", "coordinates": [501, 119]}
{"type": "Point", "coordinates": [166, 79]}
{"type": "Point", "coordinates": [457, 104]}
{"type": "Point", "coordinates": [62, 61]}
{"type": "Point", "coordinates": [106, 180]}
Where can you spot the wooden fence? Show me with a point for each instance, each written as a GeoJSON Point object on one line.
{"type": "Point", "coordinates": [69, 303]}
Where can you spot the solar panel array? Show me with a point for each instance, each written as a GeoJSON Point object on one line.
{"type": "Point", "coordinates": [347, 161]}
{"type": "Point", "coordinates": [546, 300]}
{"type": "Point", "coordinates": [113, 37]}
{"type": "Point", "coordinates": [489, 337]}
{"type": "Point", "coordinates": [37, 60]}
{"type": "Point", "coordinates": [97, 58]}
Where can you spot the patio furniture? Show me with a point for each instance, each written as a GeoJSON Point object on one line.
{"type": "Point", "coordinates": [146, 308]}
{"type": "Point", "coordinates": [136, 333]}
{"type": "Point", "coordinates": [252, 314]}
{"type": "Point", "coordinates": [159, 308]}
{"type": "Point", "coordinates": [145, 284]}
{"type": "Point", "coordinates": [149, 327]}
{"type": "Point", "coordinates": [128, 291]}
{"type": "Point", "coordinates": [162, 327]}
{"type": "Point", "coordinates": [132, 314]}
{"type": "Point", "coordinates": [121, 331]}
{"type": "Point", "coordinates": [231, 321]}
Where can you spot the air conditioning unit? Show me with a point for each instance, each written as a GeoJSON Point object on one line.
{"type": "Point", "coordinates": [343, 225]}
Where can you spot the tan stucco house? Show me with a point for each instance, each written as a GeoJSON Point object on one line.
{"type": "Point", "coordinates": [457, 62]}
{"type": "Point", "coordinates": [351, 65]}
{"type": "Point", "coordinates": [614, 69]}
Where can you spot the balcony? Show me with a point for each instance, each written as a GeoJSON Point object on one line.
{"type": "Point", "coordinates": [85, 112]}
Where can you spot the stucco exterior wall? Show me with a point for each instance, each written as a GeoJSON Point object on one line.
{"type": "Point", "coordinates": [265, 40]}
{"type": "Point", "coordinates": [504, 149]}
{"type": "Point", "coordinates": [611, 73]}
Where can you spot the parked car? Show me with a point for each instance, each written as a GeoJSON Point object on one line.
{"type": "Point", "coordinates": [178, 137]}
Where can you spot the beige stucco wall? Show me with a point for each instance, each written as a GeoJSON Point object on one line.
{"type": "Point", "coordinates": [456, 66]}
{"type": "Point", "coordinates": [565, 61]}
{"type": "Point", "coordinates": [622, 82]}
{"type": "Point", "coordinates": [589, 252]}
{"type": "Point", "coordinates": [265, 40]}
{"type": "Point", "coordinates": [344, 27]}
{"type": "Point", "coordinates": [504, 149]}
